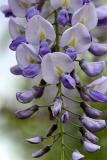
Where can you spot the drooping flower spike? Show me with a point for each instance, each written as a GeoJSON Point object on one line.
{"type": "Point", "coordinates": [50, 43]}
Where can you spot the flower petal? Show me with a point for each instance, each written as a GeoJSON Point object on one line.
{"type": "Point", "coordinates": [15, 29]}
{"type": "Point", "coordinates": [76, 155]}
{"type": "Point", "coordinates": [86, 15]}
{"type": "Point", "coordinates": [24, 53]}
{"type": "Point", "coordinates": [39, 25]}
{"type": "Point", "coordinates": [92, 68]}
{"type": "Point", "coordinates": [54, 65]}
{"type": "Point", "coordinates": [99, 85]}
{"type": "Point", "coordinates": [78, 35]}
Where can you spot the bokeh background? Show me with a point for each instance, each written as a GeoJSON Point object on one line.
{"type": "Point", "coordinates": [13, 132]}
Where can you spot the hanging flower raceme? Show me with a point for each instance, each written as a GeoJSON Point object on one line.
{"type": "Point", "coordinates": [50, 51]}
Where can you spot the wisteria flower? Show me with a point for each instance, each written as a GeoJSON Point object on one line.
{"type": "Point", "coordinates": [55, 65]}
{"type": "Point", "coordinates": [42, 32]}
{"type": "Point", "coordinates": [86, 15]}
{"type": "Point", "coordinates": [77, 37]}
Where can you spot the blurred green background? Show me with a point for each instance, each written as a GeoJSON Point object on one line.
{"type": "Point", "coordinates": [13, 132]}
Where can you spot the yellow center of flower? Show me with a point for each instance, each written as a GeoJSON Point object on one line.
{"type": "Point", "coordinates": [25, 4]}
{"type": "Point", "coordinates": [72, 42]}
{"type": "Point", "coordinates": [42, 36]}
{"type": "Point", "coordinates": [31, 59]}
{"type": "Point", "coordinates": [59, 71]}
{"type": "Point", "coordinates": [21, 31]}
{"type": "Point", "coordinates": [65, 4]}
{"type": "Point", "coordinates": [82, 21]}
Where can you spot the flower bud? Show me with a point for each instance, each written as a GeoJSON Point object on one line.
{"type": "Point", "coordinates": [63, 17]}
{"type": "Point", "coordinates": [76, 155]}
{"type": "Point", "coordinates": [56, 109]}
{"type": "Point", "coordinates": [88, 135]}
{"type": "Point", "coordinates": [41, 152]}
{"type": "Point", "coordinates": [24, 114]}
{"type": "Point", "coordinates": [35, 140]}
{"type": "Point", "coordinates": [68, 82]}
{"type": "Point", "coordinates": [92, 125]}
{"type": "Point", "coordinates": [16, 42]}
{"type": "Point", "coordinates": [90, 147]}
{"type": "Point", "coordinates": [65, 117]}
{"type": "Point", "coordinates": [89, 111]}
{"type": "Point", "coordinates": [6, 10]}
{"type": "Point", "coordinates": [92, 68]}
{"type": "Point", "coordinates": [51, 117]}
{"type": "Point", "coordinates": [25, 96]}
{"type": "Point", "coordinates": [31, 12]}
{"type": "Point", "coordinates": [51, 130]}
{"type": "Point", "coordinates": [38, 91]}
{"type": "Point", "coordinates": [72, 53]}
{"type": "Point", "coordinates": [44, 48]}
{"type": "Point", "coordinates": [16, 70]}
{"type": "Point", "coordinates": [98, 49]}
{"type": "Point", "coordinates": [31, 71]}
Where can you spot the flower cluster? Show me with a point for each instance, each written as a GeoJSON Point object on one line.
{"type": "Point", "coordinates": [51, 50]}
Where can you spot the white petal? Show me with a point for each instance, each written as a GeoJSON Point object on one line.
{"type": "Point", "coordinates": [16, 8]}
{"type": "Point", "coordinates": [74, 5]}
{"type": "Point", "coordinates": [76, 155]}
{"type": "Point", "coordinates": [87, 15]}
{"type": "Point", "coordinates": [81, 35]}
{"type": "Point", "coordinates": [90, 147]}
{"type": "Point", "coordinates": [22, 54]}
{"type": "Point", "coordinates": [99, 85]}
{"type": "Point", "coordinates": [35, 26]}
{"type": "Point", "coordinates": [15, 29]}
{"type": "Point", "coordinates": [53, 60]}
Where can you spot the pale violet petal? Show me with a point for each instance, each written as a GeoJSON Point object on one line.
{"type": "Point", "coordinates": [51, 62]}
{"type": "Point", "coordinates": [23, 52]}
{"type": "Point", "coordinates": [16, 8]}
{"type": "Point", "coordinates": [86, 15]}
{"type": "Point", "coordinates": [74, 5]}
{"type": "Point", "coordinates": [39, 25]}
{"type": "Point", "coordinates": [56, 4]}
{"type": "Point", "coordinates": [79, 34]}
{"type": "Point", "coordinates": [99, 85]}
{"type": "Point", "coordinates": [102, 11]}
{"type": "Point", "coordinates": [90, 147]}
{"type": "Point", "coordinates": [76, 155]}
{"type": "Point", "coordinates": [15, 29]}
{"type": "Point", "coordinates": [92, 68]}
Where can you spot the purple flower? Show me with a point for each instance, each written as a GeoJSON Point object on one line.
{"type": "Point", "coordinates": [92, 125]}
{"type": "Point", "coordinates": [72, 53]}
{"type": "Point", "coordinates": [76, 155]}
{"type": "Point", "coordinates": [31, 12]}
{"type": "Point", "coordinates": [89, 136]}
{"type": "Point", "coordinates": [68, 82]}
{"type": "Point", "coordinates": [63, 17]}
{"type": "Point", "coordinates": [41, 152]}
{"type": "Point", "coordinates": [98, 49]}
{"type": "Point", "coordinates": [44, 48]}
{"type": "Point", "coordinates": [16, 70]}
{"type": "Point", "coordinates": [89, 146]}
{"type": "Point", "coordinates": [90, 111]}
{"type": "Point", "coordinates": [7, 11]}
{"type": "Point", "coordinates": [25, 96]}
{"type": "Point", "coordinates": [92, 68]}
{"type": "Point", "coordinates": [16, 42]}
{"type": "Point", "coordinates": [26, 113]}
{"type": "Point", "coordinates": [31, 71]}
{"type": "Point", "coordinates": [35, 140]}
{"type": "Point", "coordinates": [65, 117]}
{"type": "Point", "coordinates": [56, 109]}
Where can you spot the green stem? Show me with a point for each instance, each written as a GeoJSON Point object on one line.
{"type": "Point", "coordinates": [57, 48]}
